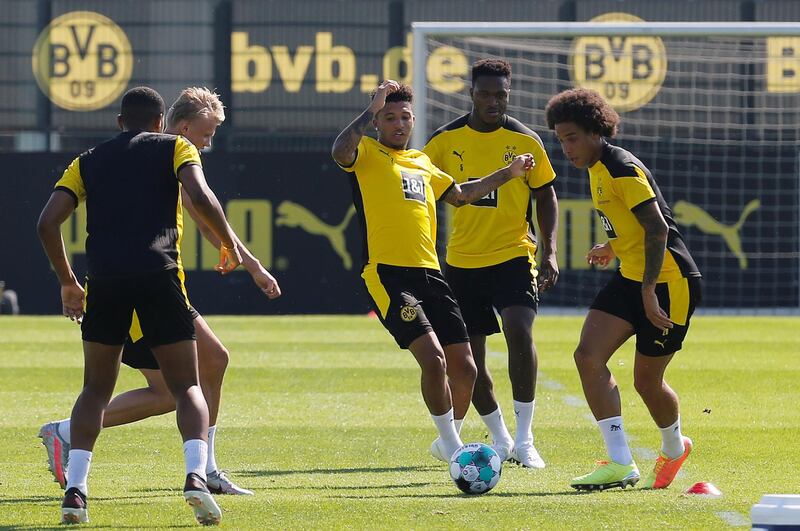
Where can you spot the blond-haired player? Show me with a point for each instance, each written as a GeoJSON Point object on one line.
{"type": "Point", "coordinates": [195, 115]}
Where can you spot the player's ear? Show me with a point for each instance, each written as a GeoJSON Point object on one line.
{"type": "Point", "coordinates": [160, 123]}
{"type": "Point", "coordinates": [120, 124]}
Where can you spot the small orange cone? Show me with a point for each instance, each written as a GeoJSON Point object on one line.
{"type": "Point", "coordinates": [704, 489]}
{"type": "Point", "coordinates": [372, 314]}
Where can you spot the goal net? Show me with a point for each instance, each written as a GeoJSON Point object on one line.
{"type": "Point", "coordinates": [712, 109]}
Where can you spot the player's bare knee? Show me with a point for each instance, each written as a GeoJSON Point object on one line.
{"type": "Point", "coordinates": [468, 371]}
{"type": "Point", "coordinates": [586, 360]}
{"type": "Point", "coordinates": [434, 365]}
{"type": "Point", "coordinates": [216, 361]}
{"type": "Point", "coordinates": [518, 334]}
{"type": "Point", "coordinates": [647, 385]}
{"type": "Point", "coordinates": [98, 389]}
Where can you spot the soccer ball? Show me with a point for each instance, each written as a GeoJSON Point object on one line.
{"type": "Point", "coordinates": [475, 468]}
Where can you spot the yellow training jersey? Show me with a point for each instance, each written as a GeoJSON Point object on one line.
{"type": "Point", "coordinates": [497, 227]}
{"type": "Point", "coordinates": [395, 194]}
{"type": "Point", "coordinates": [620, 184]}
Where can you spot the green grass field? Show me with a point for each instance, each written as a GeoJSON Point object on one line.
{"type": "Point", "coordinates": [323, 418]}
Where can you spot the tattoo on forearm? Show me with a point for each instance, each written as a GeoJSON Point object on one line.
{"type": "Point", "coordinates": [653, 257]}
{"type": "Point", "coordinates": [655, 239]}
{"type": "Point", "coordinates": [346, 143]}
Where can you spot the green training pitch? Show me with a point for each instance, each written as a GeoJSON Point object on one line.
{"type": "Point", "coordinates": [323, 419]}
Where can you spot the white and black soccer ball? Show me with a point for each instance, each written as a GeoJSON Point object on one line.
{"type": "Point", "coordinates": [475, 468]}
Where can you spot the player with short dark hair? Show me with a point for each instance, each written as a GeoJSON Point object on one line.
{"type": "Point", "coordinates": [395, 190]}
{"type": "Point", "coordinates": [652, 296]}
{"type": "Point", "coordinates": [491, 252]}
{"type": "Point", "coordinates": [195, 115]}
{"type": "Point", "coordinates": [131, 185]}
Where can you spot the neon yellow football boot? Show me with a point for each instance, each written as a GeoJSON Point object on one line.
{"type": "Point", "coordinates": [607, 476]}
{"type": "Point", "coordinates": [666, 469]}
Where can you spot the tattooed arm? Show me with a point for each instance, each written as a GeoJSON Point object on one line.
{"type": "Point", "coordinates": [469, 192]}
{"type": "Point", "coordinates": [655, 243]}
{"type": "Point", "coordinates": [346, 144]}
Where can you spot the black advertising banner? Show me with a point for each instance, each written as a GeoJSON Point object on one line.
{"type": "Point", "coordinates": [296, 215]}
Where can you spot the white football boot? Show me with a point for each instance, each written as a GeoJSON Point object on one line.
{"type": "Point", "coordinates": [526, 455]}
{"type": "Point", "coordinates": [219, 483]}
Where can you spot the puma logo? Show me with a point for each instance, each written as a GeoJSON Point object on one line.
{"type": "Point", "coordinates": [461, 158]}
{"type": "Point", "coordinates": [660, 343]}
{"type": "Point", "coordinates": [293, 215]}
{"type": "Point", "coordinates": [615, 427]}
{"type": "Point", "coordinates": [688, 214]}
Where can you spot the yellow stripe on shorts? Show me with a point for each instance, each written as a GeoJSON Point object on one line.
{"type": "Point", "coordinates": [678, 300]}
{"type": "Point", "coordinates": [136, 328]}
{"type": "Point", "coordinates": [376, 289]}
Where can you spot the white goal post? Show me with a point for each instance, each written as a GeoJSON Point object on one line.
{"type": "Point", "coordinates": [720, 129]}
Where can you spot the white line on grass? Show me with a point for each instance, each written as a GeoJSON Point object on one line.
{"type": "Point", "coordinates": [733, 519]}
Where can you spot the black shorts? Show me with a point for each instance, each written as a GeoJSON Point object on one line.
{"type": "Point", "coordinates": [678, 298]}
{"type": "Point", "coordinates": [481, 290]}
{"type": "Point", "coordinates": [159, 300]}
{"type": "Point", "coordinates": [412, 301]}
{"type": "Point", "coordinates": [137, 355]}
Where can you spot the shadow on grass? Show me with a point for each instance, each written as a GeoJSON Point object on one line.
{"type": "Point", "coordinates": [457, 495]}
{"type": "Point", "coordinates": [62, 527]}
{"type": "Point", "coordinates": [360, 487]}
{"type": "Point", "coordinates": [32, 499]}
{"type": "Point", "coordinates": [330, 471]}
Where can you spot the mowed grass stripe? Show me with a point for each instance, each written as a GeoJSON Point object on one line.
{"type": "Point", "coordinates": [322, 417]}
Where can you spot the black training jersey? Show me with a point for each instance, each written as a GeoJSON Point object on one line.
{"type": "Point", "coordinates": [133, 209]}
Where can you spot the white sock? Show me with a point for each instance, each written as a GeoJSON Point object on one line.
{"type": "Point", "coordinates": [497, 426]}
{"type": "Point", "coordinates": [446, 426]}
{"type": "Point", "coordinates": [63, 429]}
{"type": "Point", "coordinates": [523, 411]}
{"type": "Point", "coordinates": [616, 443]}
{"type": "Point", "coordinates": [78, 470]}
{"type": "Point", "coordinates": [211, 465]}
{"type": "Point", "coordinates": [459, 423]}
{"type": "Point", "coordinates": [672, 440]}
{"type": "Point", "coordinates": [195, 454]}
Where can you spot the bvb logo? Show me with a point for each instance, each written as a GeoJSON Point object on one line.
{"type": "Point", "coordinates": [508, 156]}
{"type": "Point", "coordinates": [82, 61]}
{"type": "Point", "coordinates": [408, 313]}
{"type": "Point", "coordinates": [627, 71]}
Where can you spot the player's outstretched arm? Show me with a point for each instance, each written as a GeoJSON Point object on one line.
{"type": "Point", "coordinates": [345, 145]}
{"type": "Point", "coordinates": [655, 244]}
{"type": "Point", "coordinates": [466, 193]}
{"type": "Point", "coordinates": [263, 279]}
{"type": "Point", "coordinates": [210, 212]}
{"type": "Point", "coordinates": [58, 208]}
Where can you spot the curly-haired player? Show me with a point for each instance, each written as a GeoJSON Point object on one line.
{"type": "Point", "coordinates": [651, 296]}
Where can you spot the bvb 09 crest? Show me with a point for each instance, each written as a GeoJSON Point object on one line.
{"type": "Point", "coordinates": [82, 61]}
{"type": "Point", "coordinates": [627, 71]}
